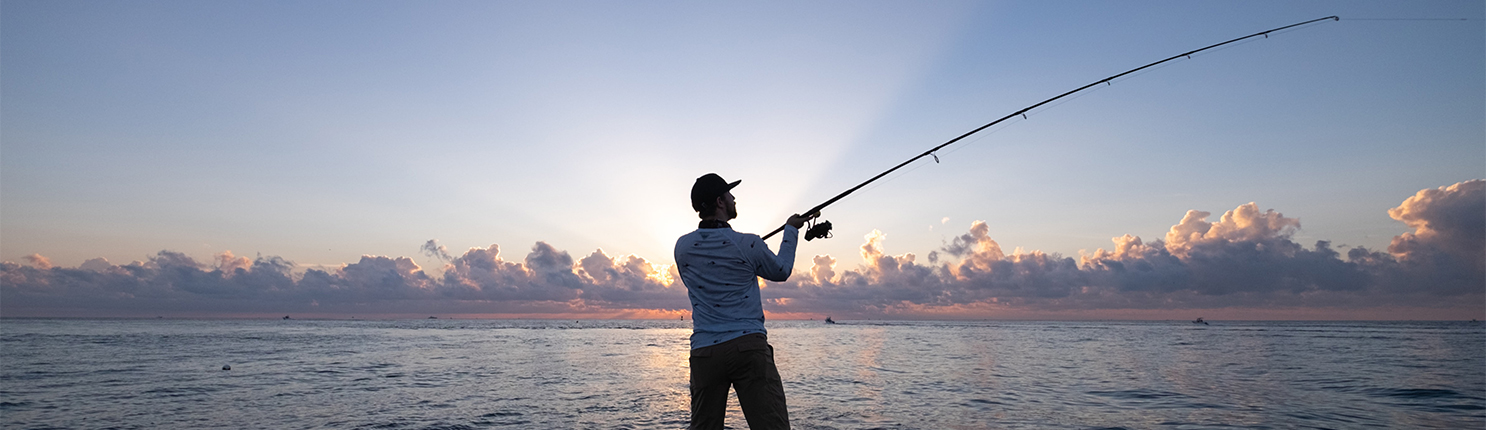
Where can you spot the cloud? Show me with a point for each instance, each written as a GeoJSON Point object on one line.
{"type": "Point", "coordinates": [229, 263]}
{"type": "Point", "coordinates": [99, 265]}
{"type": "Point", "coordinates": [824, 270]}
{"type": "Point", "coordinates": [39, 261]}
{"type": "Point", "coordinates": [1244, 224]}
{"type": "Point", "coordinates": [1444, 253]}
{"type": "Point", "coordinates": [433, 250]}
{"type": "Point", "coordinates": [550, 275]}
{"type": "Point", "coordinates": [547, 281]}
{"type": "Point", "coordinates": [1448, 222]}
{"type": "Point", "coordinates": [1245, 259]}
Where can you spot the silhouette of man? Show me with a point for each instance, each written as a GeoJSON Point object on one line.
{"type": "Point", "coordinates": [729, 346]}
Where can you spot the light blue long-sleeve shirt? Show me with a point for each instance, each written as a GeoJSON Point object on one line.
{"type": "Point", "coordinates": [720, 268]}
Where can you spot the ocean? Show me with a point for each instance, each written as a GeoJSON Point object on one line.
{"type": "Point", "coordinates": [539, 374]}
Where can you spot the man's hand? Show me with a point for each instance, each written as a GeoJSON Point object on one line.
{"type": "Point", "coordinates": [798, 221]}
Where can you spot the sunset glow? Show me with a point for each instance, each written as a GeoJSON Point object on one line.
{"type": "Point", "coordinates": [246, 160]}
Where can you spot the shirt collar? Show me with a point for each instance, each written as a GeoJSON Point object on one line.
{"type": "Point", "coordinates": [712, 223]}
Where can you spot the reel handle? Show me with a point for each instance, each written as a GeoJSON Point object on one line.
{"type": "Point", "coordinates": [821, 230]}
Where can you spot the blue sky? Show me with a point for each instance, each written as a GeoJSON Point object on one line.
{"type": "Point", "coordinates": [324, 131]}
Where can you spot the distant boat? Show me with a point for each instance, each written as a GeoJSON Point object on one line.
{"type": "Point", "coordinates": [1200, 321]}
{"type": "Point", "coordinates": [830, 321]}
{"type": "Point", "coordinates": [433, 317]}
{"type": "Point", "coordinates": [286, 317]}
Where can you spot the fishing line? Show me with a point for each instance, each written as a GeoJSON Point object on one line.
{"type": "Point", "coordinates": [1410, 19]}
{"type": "Point", "coordinates": [983, 135]}
{"type": "Point", "coordinates": [978, 137]}
{"type": "Point", "coordinates": [823, 230]}
{"type": "Point", "coordinates": [1014, 120]}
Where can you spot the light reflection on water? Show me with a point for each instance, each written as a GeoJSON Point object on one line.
{"type": "Point", "coordinates": [633, 374]}
{"type": "Point", "coordinates": [1136, 375]}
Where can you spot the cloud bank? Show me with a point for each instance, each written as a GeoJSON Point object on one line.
{"type": "Point", "coordinates": [1245, 260]}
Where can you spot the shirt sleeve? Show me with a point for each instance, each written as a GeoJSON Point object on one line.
{"type": "Point", "coordinates": [768, 265]}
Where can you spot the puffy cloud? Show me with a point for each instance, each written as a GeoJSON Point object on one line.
{"type": "Point", "coordinates": [1245, 259]}
{"type": "Point", "coordinates": [629, 281]}
{"type": "Point", "coordinates": [552, 266]}
{"type": "Point", "coordinates": [1447, 221]}
{"type": "Point", "coordinates": [985, 271]}
{"type": "Point", "coordinates": [434, 250]}
{"type": "Point", "coordinates": [39, 261]}
{"type": "Point", "coordinates": [99, 265]}
{"type": "Point", "coordinates": [1445, 252]}
{"type": "Point", "coordinates": [881, 267]}
{"type": "Point", "coordinates": [976, 245]}
{"type": "Point", "coordinates": [168, 278]}
{"type": "Point", "coordinates": [230, 264]}
{"type": "Point", "coordinates": [1244, 224]}
{"type": "Point", "coordinates": [547, 281]}
{"type": "Point", "coordinates": [823, 271]}
{"type": "Point", "coordinates": [482, 275]}
{"type": "Point", "coordinates": [381, 277]}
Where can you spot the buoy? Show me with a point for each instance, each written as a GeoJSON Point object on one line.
{"type": "Point", "coordinates": [227, 367]}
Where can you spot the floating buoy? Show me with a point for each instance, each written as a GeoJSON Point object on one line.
{"type": "Point", "coordinates": [227, 367]}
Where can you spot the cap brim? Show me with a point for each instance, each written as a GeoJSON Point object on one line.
{"type": "Point", "coordinates": [734, 184]}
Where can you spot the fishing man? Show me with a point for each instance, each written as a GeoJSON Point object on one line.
{"type": "Point", "coordinates": [729, 346]}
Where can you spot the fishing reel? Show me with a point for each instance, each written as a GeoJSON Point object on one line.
{"type": "Point", "coordinates": [821, 230]}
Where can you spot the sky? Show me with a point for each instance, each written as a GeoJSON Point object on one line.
{"type": "Point", "coordinates": [532, 159]}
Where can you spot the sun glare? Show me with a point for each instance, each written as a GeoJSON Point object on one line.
{"type": "Point", "coordinates": [661, 273]}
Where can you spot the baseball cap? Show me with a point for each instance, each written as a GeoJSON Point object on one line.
{"type": "Point", "coordinates": [709, 187]}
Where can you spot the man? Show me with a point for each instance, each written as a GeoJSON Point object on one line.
{"type": "Point", "coordinates": [729, 346]}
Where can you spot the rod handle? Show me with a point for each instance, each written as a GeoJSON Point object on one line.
{"type": "Point", "coordinates": [813, 213]}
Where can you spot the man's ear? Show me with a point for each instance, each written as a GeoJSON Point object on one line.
{"type": "Point", "coordinates": [721, 203]}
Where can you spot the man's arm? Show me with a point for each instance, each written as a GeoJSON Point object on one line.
{"type": "Point", "coordinates": [773, 267]}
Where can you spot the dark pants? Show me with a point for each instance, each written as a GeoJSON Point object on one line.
{"type": "Point", "coordinates": [747, 365]}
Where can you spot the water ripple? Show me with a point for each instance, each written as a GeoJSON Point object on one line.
{"type": "Point", "coordinates": [447, 374]}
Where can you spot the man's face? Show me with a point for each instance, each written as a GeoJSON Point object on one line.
{"type": "Point", "coordinates": [730, 205]}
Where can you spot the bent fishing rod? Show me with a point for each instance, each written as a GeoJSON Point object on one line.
{"type": "Point", "coordinates": [823, 230]}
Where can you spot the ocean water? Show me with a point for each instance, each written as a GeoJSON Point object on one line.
{"type": "Point", "coordinates": [485, 374]}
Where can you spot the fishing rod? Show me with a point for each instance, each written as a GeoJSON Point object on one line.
{"type": "Point", "coordinates": [823, 230]}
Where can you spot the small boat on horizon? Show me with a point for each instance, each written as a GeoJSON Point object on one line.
{"type": "Point", "coordinates": [1200, 321]}
{"type": "Point", "coordinates": [830, 321]}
